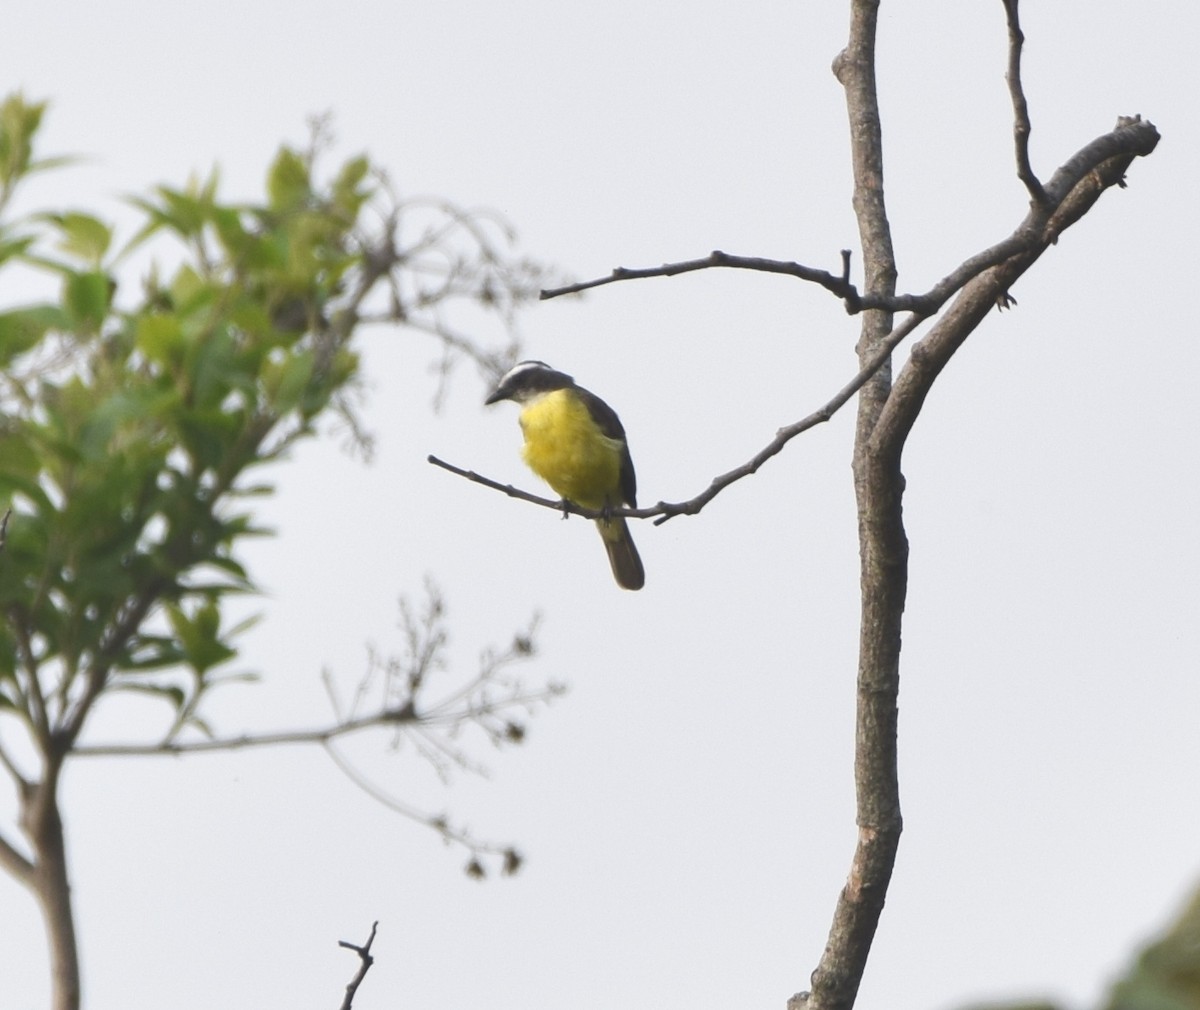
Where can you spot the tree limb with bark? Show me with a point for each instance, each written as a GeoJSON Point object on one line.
{"type": "Point", "coordinates": [888, 407]}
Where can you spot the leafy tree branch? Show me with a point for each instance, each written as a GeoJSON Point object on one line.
{"type": "Point", "coordinates": [134, 428]}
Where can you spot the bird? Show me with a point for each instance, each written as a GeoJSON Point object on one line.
{"type": "Point", "coordinates": [575, 442]}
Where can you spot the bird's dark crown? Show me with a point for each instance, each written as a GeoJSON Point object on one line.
{"type": "Point", "coordinates": [528, 378]}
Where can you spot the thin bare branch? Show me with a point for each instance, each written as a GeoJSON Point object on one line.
{"type": "Point", "coordinates": [514, 492]}
{"type": "Point", "coordinates": [365, 961]}
{"type": "Point", "coordinates": [1051, 214]}
{"type": "Point", "coordinates": [663, 511]}
{"type": "Point", "coordinates": [1021, 125]}
{"type": "Point", "coordinates": [477, 849]}
{"type": "Point", "coordinates": [246, 741]}
{"type": "Point", "coordinates": [838, 285]}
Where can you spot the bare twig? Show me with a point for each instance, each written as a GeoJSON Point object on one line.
{"type": "Point", "coordinates": [1021, 125]}
{"type": "Point", "coordinates": [403, 714]}
{"type": "Point", "coordinates": [366, 959]}
{"type": "Point", "coordinates": [247, 741]}
{"type": "Point", "coordinates": [477, 849]}
{"type": "Point", "coordinates": [491, 701]}
{"type": "Point", "coordinates": [1132, 138]}
{"type": "Point", "coordinates": [1051, 213]}
{"type": "Point", "coordinates": [663, 511]}
{"type": "Point", "coordinates": [515, 492]}
{"type": "Point", "coordinates": [838, 285]}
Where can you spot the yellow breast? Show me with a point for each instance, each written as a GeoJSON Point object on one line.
{"type": "Point", "coordinates": [566, 448]}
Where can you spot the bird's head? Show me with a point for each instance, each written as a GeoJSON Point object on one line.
{"type": "Point", "coordinates": [526, 380]}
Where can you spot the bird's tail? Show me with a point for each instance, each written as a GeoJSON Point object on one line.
{"type": "Point", "coordinates": [622, 555]}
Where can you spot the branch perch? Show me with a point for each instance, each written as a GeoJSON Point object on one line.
{"type": "Point", "coordinates": [886, 413]}
{"type": "Point", "coordinates": [1071, 192]}
{"type": "Point", "coordinates": [663, 511]}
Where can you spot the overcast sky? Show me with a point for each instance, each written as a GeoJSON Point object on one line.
{"type": "Point", "coordinates": [687, 810]}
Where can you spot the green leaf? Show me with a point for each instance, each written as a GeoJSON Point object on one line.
{"type": "Point", "coordinates": [349, 194]}
{"type": "Point", "coordinates": [184, 213]}
{"type": "Point", "coordinates": [97, 431]}
{"type": "Point", "coordinates": [288, 184]}
{"type": "Point", "coordinates": [55, 161]}
{"type": "Point", "coordinates": [14, 245]}
{"type": "Point", "coordinates": [231, 230]}
{"type": "Point", "coordinates": [234, 568]}
{"type": "Point", "coordinates": [19, 121]}
{"type": "Point", "coordinates": [199, 636]}
{"type": "Point", "coordinates": [286, 381]}
{"type": "Point", "coordinates": [18, 457]}
{"type": "Point", "coordinates": [23, 329]}
{"type": "Point", "coordinates": [160, 338]}
{"type": "Point", "coordinates": [82, 235]}
{"type": "Point", "coordinates": [238, 629]}
{"type": "Point", "coordinates": [169, 692]}
{"type": "Point", "coordinates": [86, 299]}
{"type": "Point", "coordinates": [189, 291]}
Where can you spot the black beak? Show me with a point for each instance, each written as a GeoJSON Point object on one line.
{"type": "Point", "coordinates": [496, 395]}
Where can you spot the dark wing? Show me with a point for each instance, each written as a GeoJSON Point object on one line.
{"type": "Point", "coordinates": [607, 421]}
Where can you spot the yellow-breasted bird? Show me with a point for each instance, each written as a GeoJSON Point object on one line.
{"type": "Point", "coordinates": [575, 442]}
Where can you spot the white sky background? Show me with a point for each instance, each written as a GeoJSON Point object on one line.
{"type": "Point", "coordinates": [686, 810]}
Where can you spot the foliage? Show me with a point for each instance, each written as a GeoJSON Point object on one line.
{"type": "Point", "coordinates": [129, 434]}
{"type": "Point", "coordinates": [1166, 975]}
{"type": "Point", "coordinates": [135, 427]}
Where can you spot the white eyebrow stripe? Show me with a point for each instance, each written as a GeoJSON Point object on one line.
{"type": "Point", "coordinates": [525, 366]}
{"type": "Point", "coordinates": [518, 370]}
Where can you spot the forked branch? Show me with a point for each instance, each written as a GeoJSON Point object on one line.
{"type": "Point", "coordinates": [982, 281]}
{"type": "Point", "coordinates": [1056, 206]}
{"type": "Point", "coordinates": [879, 481]}
{"type": "Point", "coordinates": [420, 710]}
{"type": "Point", "coordinates": [365, 960]}
{"type": "Point", "coordinates": [887, 412]}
